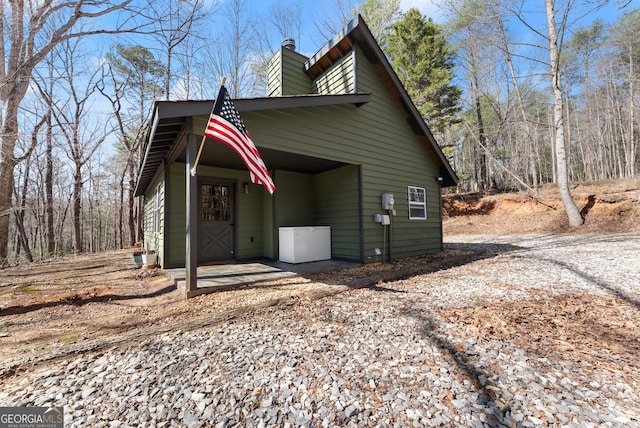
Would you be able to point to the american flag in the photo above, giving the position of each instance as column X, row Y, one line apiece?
column 226, row 126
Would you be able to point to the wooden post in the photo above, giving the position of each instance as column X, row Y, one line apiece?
column 191, row 256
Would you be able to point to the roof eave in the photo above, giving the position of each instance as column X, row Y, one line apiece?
column 167, row 110
column 137, row 191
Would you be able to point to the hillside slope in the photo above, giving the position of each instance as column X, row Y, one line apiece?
column 607, row 206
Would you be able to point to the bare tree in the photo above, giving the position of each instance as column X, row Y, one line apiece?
column 328, row 25
column 82, row 138
column 575, row 218
column 233, row 45
column 626, row 43
column 45, row 86
column 29, row 31
column 175, row 21
column 470, row 29
column 286, row 18
column 21, row 211
column 528, row 131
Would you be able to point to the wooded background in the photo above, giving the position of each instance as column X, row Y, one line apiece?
column 509, row 88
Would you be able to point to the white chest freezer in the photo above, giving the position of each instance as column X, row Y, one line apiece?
column 305, row 244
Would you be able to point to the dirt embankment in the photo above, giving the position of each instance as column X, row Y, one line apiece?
column 609, row 206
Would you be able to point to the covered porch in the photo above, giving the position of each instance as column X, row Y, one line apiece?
column 222, row 277
column 227, row 219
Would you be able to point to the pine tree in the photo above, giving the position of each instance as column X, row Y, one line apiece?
column 423, row 60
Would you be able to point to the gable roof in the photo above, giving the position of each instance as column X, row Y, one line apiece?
column 356, row 33
column 169, row 117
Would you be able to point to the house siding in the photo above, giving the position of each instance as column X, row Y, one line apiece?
column 337, row 205
column 339, row 79
column 392, row 157
column 175, row 234
column 294, row 199
column 286, row 74
column 152, row 240
column 274, row 75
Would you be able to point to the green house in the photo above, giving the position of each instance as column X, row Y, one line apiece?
column 345, row 147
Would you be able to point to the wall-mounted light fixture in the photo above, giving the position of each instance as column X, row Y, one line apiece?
column 439, row 179
column 245, row 186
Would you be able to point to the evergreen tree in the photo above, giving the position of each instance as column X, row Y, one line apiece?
column 423, row 60
column 135, row 75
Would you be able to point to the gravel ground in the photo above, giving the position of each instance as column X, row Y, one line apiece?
column 545, row 332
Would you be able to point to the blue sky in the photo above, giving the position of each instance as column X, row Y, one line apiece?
column 312, row 10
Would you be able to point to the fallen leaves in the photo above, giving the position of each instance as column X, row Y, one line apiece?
column 585, row 327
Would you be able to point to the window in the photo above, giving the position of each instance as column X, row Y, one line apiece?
column 417, row 203
column 157, row 206
column 215, row 202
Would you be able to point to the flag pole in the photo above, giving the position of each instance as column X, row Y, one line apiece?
column 204, row 137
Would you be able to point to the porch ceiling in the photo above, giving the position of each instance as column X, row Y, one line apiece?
column 219, row 155
column 170, row 118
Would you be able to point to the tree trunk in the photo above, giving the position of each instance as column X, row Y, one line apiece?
column 8, row 138
column 533, row 170
column 23, row 239
column 575, row 218
column 48, row 181
column 77, row 207
column 121, row 215
column 48, row 184
column 483, row 183
column 131, row 204
column 630, row 155
column 481, row 172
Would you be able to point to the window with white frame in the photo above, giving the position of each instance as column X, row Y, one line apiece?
column 156, row 210
column 417, row 203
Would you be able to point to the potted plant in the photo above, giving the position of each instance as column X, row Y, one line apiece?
column 149, row 257
column 137, row 258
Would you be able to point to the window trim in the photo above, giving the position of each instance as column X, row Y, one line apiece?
column 157, row 207
column 422, row 205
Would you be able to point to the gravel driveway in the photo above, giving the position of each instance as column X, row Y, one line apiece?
column 543, row 332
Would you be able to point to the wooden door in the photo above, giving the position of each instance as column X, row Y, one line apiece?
column 217, row 220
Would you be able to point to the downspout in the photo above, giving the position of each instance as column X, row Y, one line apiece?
column 360, row 213
column 165, row 216
column 440, row 211
column 275, row 231
column 390, row 212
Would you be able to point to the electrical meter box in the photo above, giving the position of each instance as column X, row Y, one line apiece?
column 387, row 201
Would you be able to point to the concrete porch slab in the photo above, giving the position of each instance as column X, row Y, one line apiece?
column 228, row 276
